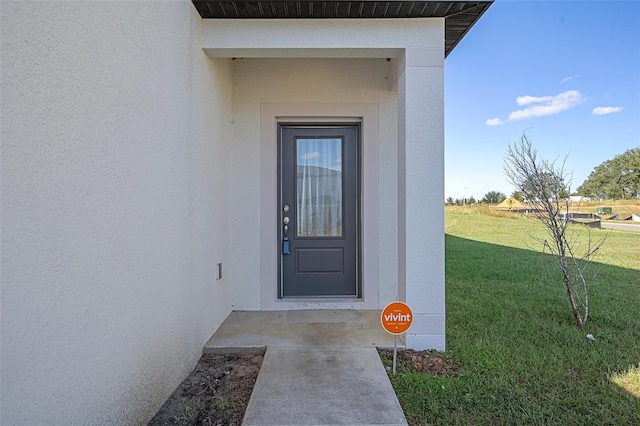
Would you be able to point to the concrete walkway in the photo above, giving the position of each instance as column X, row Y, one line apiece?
column 321, row 367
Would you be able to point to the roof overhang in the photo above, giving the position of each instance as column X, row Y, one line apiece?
column 459, row 16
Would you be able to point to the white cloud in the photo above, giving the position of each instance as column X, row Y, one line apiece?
column 526, row 100
column 606, row 110
column 494, row 122
column 311, row 155
column 569, row 78
column 546, row 105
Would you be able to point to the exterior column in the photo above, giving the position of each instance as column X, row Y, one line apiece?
column 421, row 194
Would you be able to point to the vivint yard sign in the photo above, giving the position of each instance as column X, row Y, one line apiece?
column 396, row 317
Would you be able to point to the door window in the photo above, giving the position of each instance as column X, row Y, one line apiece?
column 319, row 187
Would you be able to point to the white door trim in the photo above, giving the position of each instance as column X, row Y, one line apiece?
column 270, row 115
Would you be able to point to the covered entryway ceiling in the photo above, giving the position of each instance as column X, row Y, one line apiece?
column 458, row 16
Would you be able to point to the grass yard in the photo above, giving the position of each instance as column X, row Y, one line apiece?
column 523, row 359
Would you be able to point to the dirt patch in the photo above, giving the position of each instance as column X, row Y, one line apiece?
column 216, row 392
column 428, row 362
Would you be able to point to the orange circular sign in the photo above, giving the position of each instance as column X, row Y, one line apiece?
column 396, row 317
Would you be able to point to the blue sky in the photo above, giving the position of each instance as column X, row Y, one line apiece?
column 567, row 72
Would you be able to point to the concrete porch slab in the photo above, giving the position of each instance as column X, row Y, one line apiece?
column 323, row 386
column 247, row 331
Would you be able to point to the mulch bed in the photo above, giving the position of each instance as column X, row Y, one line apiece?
column 215, row 393
column 428, row 362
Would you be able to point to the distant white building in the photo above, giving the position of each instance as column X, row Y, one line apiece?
column 579, row 198
column 149, row 160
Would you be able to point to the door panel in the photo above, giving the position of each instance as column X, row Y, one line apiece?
column 320, row 260
column 319, row 203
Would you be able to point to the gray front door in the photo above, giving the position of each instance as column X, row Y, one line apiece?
column 319, row 202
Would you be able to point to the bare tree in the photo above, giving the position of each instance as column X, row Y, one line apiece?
column 545, row 186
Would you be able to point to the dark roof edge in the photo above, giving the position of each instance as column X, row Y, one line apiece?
column 483, row 8
column 459, row 15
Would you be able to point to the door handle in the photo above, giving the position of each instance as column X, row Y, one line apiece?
column 286, row 226
column 285, row 231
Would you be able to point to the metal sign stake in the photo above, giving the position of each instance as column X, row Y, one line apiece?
column 396, row 318
column 395, row 352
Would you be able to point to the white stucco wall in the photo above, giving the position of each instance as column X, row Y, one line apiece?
column 115, row 166
column 211, row 140
column 420, row 191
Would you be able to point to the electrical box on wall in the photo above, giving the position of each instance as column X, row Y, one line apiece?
column 219, row 271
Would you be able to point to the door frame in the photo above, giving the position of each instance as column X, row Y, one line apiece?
column 358, row 240
column 310, row 113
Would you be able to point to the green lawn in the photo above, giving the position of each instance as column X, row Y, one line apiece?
column 523, row 359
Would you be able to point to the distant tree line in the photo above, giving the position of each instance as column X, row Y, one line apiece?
column 491, row 197
column 461, row 201
column 618, row 178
